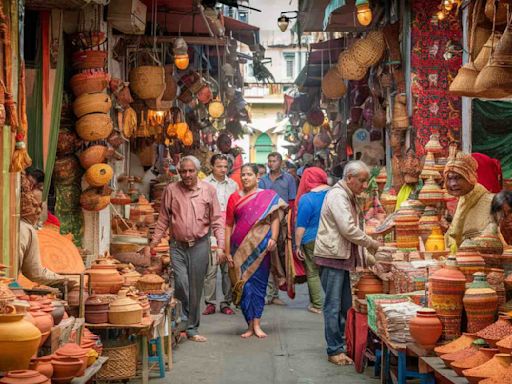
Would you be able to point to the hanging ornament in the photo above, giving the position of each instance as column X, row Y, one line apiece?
column 180, row 49
column 216, row 108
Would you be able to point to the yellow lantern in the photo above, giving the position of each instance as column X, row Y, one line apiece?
column 181, row 130
column 364, row 12
column 181, row 61
column 216, row 108
column 188, row 140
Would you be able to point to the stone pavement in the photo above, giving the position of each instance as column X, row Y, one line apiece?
column 293, row 352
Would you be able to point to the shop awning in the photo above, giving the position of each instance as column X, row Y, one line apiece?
column 312, row 15
column 243, row 32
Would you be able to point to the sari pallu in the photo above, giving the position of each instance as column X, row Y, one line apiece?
column 249, row 240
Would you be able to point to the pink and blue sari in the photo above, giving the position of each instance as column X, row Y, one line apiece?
column 251, row 233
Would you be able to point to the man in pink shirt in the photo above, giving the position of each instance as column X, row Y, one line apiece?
column 190, row 211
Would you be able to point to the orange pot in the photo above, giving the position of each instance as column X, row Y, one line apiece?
column 104, row 279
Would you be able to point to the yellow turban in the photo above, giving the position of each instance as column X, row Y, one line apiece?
column 465, row 165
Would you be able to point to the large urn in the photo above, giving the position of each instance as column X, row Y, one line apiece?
column 447, row 286
column 480, row 302
column 19, row 340
column 426, row 328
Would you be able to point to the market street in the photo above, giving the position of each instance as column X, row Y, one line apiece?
column 293, row 352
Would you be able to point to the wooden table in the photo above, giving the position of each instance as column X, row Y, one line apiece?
column 442, row 374
column 401, row 351
column 90, row 371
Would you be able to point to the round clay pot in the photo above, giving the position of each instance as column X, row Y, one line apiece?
column 58, row 311
column 73, row 350
column 64, row 367
column 105, row 278
column 368, row 284
column 426, row 328
column 19, row 340
column 74, row 295
column 24, row 377
column 480, row 302
column 44, row 366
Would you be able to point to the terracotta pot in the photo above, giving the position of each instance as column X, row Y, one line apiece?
column 447, row 286
column 74, row 295
column 24, row 377
column 469, row 263
column 75, row 351
column 44, row 366
column 105, row 278
column 19, row 340
column 44, row 320
column 481, row 303
column 426, row 328
column 96, row 310
column 125, row 311
column 482, row 356
column 66, row 367
column 368, row 284
column 462, row 342
column 496, row 366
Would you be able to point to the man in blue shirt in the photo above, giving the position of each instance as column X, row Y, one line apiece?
column 284, row 185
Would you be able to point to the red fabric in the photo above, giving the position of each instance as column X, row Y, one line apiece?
column 311, row 178
column 356, row 335
column 237, row 170
column 52, row 220
column 489, row 172
column 230, row 208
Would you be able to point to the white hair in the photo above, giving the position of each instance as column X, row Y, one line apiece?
column 193, row 159
column 354, row 168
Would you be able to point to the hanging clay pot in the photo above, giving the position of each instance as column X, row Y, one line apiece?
column 426, row 328
column 480, row 302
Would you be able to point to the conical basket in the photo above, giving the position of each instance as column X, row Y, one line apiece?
column 464, row 83
column 333, row 86
column 369, row 50
column 494, row 81
column 501, row 11
column 485, row 53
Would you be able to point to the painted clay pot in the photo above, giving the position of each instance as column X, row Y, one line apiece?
column 482, row 356
column 447, row 286
column 368, row 284
column 462, row 342
column 104, row 278
column 66, row 367
column 480, row 302
column 24, row 377
column 489, row 241
column 426, row 328
column 44, row 366
column 496, row 331
column 19, row 340
column 496, row 366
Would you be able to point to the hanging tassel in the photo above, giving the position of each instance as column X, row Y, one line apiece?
column 11, row 112
column 20, row 158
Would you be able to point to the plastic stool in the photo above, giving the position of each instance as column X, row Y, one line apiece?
column 159, row 356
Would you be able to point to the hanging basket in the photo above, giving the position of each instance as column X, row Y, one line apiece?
column 91, row 103
column 494, row 81
column 485, row 53
column 503, row 52
column 481, row 37
column 400, row 117
column 500, row 9
column 95, row 154
column 349, row 68
column 89, row 82
column 95, row 126
column 369, row 50
column 333, row 86
column 129, row 122
column 89, row 59
column 171, row 87
column 148, row 81
column 464, row 83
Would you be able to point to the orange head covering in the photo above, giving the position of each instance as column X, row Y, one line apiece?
column 463, row 164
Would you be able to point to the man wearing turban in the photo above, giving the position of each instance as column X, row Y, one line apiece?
column 473, row 212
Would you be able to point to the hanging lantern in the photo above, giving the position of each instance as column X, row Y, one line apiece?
column 364, row 12
column 188, row 138
column 216, row 108
column 181, row 61
column 180, row 49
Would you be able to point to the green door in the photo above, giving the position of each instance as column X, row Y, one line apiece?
column 263, row 148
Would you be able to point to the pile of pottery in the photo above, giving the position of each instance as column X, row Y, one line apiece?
column 431, row 193
column 407, row 226
column 469, row 260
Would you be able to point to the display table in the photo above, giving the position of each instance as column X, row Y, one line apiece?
column 401, row 351
column 90, row 371
column 442, row 374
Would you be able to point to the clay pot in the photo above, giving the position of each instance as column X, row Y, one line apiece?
column 124, row 311
column 74, row 296
column 462, row 342
column 44, row 366
column 96, row 310
column 481, row 303
column 58, row 311
column 496, row 366
column 66, row 367
column 489, row 242
column 426, row 328
column 74, row 351
column 469, row 263
column 19, row 340
column 24, row 377
column 104, row 278
column 482, row 356
column 447, row 286
column 368, row 284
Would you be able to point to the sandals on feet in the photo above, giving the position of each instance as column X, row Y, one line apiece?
column 340, row 359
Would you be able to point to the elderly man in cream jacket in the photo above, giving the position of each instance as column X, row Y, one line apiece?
column 337, row 253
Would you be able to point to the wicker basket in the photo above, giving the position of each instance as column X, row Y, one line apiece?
column 121, row 363
column 501, row 11
column 400, row 117
column 503, row 52
column 89, row 59
column 349, row 68
column 485, row 53
column 333, row 86
column 91, row 103
column 369, row 50
column 494, row 81
column 89, row 82
column 148, row 81
column 481, row 36
column 95, row 126
column 464, row 83
column 93, row 155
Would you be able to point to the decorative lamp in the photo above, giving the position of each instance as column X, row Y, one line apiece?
column 364, row 12
column 216, row 109
column 282, row 23
column 180, row 49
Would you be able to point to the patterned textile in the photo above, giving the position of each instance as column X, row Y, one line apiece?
column 436, row 57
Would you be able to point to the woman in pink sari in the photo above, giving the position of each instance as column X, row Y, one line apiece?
column 252, row 227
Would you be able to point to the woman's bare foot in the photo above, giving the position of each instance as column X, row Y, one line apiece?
column 259, row 333
column 247, row 334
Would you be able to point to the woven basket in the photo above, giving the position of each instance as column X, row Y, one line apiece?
column 148, row 81
column 481, row 36
column 333, row 86
column 349, row 68
column 171, row 87
column 494, row 81
column 464, row 83
column 369, row 50
column 503, row 52
column 89, row 82
column 91, row 103
column 93, row 199
column 485, row 53
column 89, row 59
column 501, row 11
column 95, row 126
column 121, row 363
column 400, row 117
column 93, row 155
